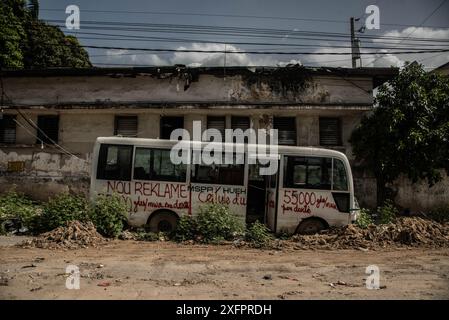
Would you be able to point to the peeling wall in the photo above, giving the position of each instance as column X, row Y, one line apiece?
column 420, row 196
column 208, row 88
column 45, row 173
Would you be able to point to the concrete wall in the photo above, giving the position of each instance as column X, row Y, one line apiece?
column 208, row 88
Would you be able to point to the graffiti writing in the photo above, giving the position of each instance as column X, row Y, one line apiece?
column 304, row 201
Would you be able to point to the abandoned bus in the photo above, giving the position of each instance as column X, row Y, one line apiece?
column 311, row 190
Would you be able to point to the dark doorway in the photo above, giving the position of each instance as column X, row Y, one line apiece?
column 256, row 198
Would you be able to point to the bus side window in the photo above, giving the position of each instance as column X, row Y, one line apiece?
column 224, row 174
column 308, row 172
column 340, row 178
column 155, row 165
column 114, row 162
column 142, row 164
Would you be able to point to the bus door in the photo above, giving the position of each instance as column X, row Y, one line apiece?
column 257, row 192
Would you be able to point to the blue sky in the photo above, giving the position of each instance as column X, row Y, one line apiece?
column 405, row 13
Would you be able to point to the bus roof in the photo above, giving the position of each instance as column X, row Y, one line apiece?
column 163, row 143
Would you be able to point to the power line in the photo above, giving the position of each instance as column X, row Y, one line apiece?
column 228, row 16
column 270, row 44
column 184, row 40
column 220, row 30
column 428, row 16
column 256, row 52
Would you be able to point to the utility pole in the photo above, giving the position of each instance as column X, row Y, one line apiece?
column 353, row 58
column 355, row 45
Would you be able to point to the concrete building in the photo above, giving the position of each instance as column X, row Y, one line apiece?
column 443, row 69
column 309, row 107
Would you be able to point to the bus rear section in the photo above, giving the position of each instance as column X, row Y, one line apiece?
column 313, row 191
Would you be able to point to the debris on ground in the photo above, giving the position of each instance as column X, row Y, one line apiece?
column 410, row 231
column 73, row 235
column 35, row 289
column 104, row 284
column 4, row 281
column 127, row 235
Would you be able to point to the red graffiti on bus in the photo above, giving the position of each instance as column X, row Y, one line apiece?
column 304, row 201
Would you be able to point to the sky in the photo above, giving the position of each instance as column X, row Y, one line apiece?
column 107, row 23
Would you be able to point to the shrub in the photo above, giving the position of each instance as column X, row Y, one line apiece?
column 439, row 214
column 186, row 229
column 387, row 213
column 19, row 209
column 109, row 214
column 364, row 219
column 63, row 208
column 216, row 223
column 258, row 234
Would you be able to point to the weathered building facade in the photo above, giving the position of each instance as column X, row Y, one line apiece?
column 308, row 106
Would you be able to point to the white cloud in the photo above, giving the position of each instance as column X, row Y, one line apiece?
column 197, row 59
column 382, row 60
column 129, row 57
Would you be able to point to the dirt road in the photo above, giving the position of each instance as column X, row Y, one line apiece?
column 165, row 270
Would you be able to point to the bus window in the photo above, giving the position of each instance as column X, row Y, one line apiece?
column 340, row 179
column 155, row 164
column 114, row 162
column 227, row 174
column 308, row 172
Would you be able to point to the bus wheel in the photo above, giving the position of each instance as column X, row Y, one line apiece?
column 310, row 226
column 162, row 221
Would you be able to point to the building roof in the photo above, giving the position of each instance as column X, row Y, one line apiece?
column 379, row 75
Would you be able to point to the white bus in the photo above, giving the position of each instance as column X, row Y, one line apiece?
column 312, row 189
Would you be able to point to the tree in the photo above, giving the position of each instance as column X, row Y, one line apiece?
column 12, row 34
column 408, row 131
column 27, row 42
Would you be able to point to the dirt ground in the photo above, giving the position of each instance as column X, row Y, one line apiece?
column 166, row 270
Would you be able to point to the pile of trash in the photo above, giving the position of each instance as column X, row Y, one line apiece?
column 73, row 235
column 409, row 231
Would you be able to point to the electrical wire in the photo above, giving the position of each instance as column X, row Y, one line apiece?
column 121, row 12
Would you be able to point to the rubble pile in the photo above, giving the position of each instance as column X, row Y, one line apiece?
column 73, row 235
column 404, row 231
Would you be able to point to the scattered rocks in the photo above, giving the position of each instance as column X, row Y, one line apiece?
column 73, row 235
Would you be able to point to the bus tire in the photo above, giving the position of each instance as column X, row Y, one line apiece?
column 311, row 226
column 162, row 221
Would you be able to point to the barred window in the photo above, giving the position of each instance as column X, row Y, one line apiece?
column 126, row 126
column 242, row 123
column 218, row 123
column 286, row 127
column 330, row 132
column 7, row 129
